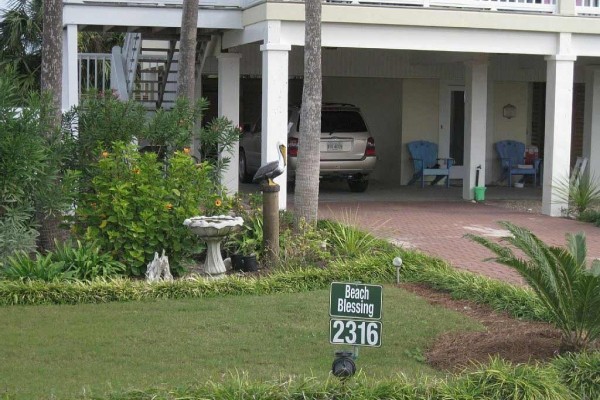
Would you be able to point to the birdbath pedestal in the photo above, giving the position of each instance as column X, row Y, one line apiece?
column 212, row 230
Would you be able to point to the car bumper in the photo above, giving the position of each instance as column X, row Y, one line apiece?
column 342, row 169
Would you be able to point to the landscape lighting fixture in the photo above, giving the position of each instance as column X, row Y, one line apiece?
column 343, row 366
column 397, row 261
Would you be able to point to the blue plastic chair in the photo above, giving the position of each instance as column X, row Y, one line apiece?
column 512, row 159
column 426, row 162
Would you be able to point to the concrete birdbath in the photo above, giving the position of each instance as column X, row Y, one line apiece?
column 212, row 230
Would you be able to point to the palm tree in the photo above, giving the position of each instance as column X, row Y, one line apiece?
column 21, row 41
column 561, row 279
column 307, row 174
column 187, row 50
column 51, row 86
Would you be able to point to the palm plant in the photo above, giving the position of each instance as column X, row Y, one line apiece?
column 561, row 279
column 580, row 194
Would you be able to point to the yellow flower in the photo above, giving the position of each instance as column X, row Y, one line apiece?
column 218, row 202
column 168, row 206
column 186, row 150
column 136, row 171
column 105, row 154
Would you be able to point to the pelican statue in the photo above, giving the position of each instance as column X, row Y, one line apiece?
column 273, row 169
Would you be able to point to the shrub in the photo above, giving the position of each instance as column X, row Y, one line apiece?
column 581, row 373
column 21, row 267
column 100, row 120
column 560, row 278
column 580, row 194
column 500, row 380
column 137, row 206
column 173, row 129
column 85, row 261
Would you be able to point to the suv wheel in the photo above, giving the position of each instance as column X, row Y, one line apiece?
column 358, row 186
column 243, row 172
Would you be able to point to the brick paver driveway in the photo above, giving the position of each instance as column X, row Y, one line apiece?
column 437, row 228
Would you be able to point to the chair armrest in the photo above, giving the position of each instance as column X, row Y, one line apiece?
column 448, row 161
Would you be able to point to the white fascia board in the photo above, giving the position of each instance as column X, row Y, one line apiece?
column 250, row 34
column 425, row 38
column 159, row 17
column 586, row 45
column 419, row 16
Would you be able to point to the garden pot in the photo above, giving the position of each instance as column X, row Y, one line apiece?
column 250, row 263
column 237, row 262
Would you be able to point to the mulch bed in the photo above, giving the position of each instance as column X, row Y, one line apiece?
column 512, row 339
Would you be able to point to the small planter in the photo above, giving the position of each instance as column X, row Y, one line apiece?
column 237, row 262
column 250, row 263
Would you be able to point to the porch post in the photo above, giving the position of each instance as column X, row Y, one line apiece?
column 476, row 79
column 591, row 125
column 70, row 81
column 274, row 106
column 229, row 107
column 557, row 143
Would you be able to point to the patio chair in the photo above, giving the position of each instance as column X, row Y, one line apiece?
column 512, row 159
column 424, row 156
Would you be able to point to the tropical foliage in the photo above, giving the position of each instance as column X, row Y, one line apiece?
column 561, row 278
column 137, row 204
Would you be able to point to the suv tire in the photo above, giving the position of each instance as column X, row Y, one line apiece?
column 243, row 171
column 358, row 186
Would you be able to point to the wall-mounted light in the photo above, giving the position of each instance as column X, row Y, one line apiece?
column 509, row 111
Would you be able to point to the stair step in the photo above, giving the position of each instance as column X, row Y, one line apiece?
column 153, row 91
column 156, row 60
column 166, row 49
column 152, row 81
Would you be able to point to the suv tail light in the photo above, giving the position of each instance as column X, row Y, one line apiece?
column 292, row 150
column 370, row 150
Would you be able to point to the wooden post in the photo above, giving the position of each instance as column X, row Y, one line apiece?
column 271, row 223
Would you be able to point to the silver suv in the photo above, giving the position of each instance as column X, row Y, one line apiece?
column 347, row 147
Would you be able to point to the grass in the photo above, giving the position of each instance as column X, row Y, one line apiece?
column 66, row 351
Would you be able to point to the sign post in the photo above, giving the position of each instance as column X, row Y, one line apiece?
column 355, row 311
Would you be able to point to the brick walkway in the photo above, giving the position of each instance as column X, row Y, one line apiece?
column 437, row 228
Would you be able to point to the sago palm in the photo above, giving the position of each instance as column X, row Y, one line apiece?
column 561, row 278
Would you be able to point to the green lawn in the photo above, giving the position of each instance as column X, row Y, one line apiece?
column 71, row 350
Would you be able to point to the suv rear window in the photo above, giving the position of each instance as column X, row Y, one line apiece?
column 341, row 121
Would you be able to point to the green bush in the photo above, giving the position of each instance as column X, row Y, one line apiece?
column 580, row 194
column 21, row 266
column 85, row 261
column 560, row 278
column 496, row 380
column 100, row 120
column 33, row 166
column 173, row 129
column 581, row 373
column 137, row 206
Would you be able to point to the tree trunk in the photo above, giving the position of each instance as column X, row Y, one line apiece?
column 186, row 82
column 307, row 173
column 51, row 83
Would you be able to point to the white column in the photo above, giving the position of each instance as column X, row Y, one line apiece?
column 591, row 125
column 229, row 107
column 476, row 79
column 70, row 76
column 274, row 107
column 557, row 142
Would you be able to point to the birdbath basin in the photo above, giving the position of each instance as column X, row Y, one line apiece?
column 212, row 230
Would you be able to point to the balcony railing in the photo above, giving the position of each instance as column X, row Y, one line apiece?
column 582, row 7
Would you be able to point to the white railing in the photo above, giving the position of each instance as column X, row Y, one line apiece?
column 583, row 7
column 544, row 6
column 94, row 72
column 158, row 3
column 587, row 7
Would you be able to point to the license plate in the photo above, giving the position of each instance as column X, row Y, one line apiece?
column 334, row 146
